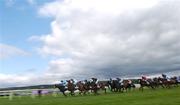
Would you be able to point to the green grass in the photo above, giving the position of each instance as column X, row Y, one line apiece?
column 147, row 97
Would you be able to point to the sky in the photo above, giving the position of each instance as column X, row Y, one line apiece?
column 44, row 41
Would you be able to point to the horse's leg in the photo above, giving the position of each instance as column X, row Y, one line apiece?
column 105, row 90
column 95, row 92
column 80, row 92
column 167, row 84
column 119, row 89
column 126, row 89
column 84, row 92
column 122, row 88
column 72, row 93
column 176, row 84
column 64, row 93
column 129, row 88
column 141, row 88
column 152, row 86
column 162, row 86
column 134, row 87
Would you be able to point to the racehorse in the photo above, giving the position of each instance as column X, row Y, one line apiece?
column 61, row 88
column 83, row 87
column 80, row 86
column 70, row 87
column 102, row 86
column 94, row 86
column 115, row 86
column 157, row 83
column 147, row 83
column 168, row 83
column 175, row 80
column 127, row 85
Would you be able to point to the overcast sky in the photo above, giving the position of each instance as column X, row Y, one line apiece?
column 44, row 41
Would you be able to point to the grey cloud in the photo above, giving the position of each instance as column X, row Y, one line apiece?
column 133, row 42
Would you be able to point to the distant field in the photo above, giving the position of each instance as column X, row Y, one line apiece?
column 147, row 97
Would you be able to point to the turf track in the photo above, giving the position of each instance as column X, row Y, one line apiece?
column 136, row 97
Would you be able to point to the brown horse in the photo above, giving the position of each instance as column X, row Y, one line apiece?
column 71, row 87
column 80, row 86
column 127, row 85
column 175, row 80
column 167, row 83
column 93, row 86
column 83, row 87
column 145, row 84
column 102, row 86
column 157, row 82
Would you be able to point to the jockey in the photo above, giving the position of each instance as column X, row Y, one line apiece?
column 144, row 78
column 85, row 81
column 63, row 83
column 91, row 80
column 72, row 81
column 165, row 77
column 120, row 81
column 129, row 81
column 110, row 80
column 94, row 80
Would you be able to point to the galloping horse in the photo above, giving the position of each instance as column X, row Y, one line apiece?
column 61, row 88
column 80, row 86
column 127, row 85
column 157, row 82
column 94, row 86
column 145, row 83
column 83, row 87
column 175, row 80
column 70, row 87
column 102, row 86
column 168, row 83
column 115, row 86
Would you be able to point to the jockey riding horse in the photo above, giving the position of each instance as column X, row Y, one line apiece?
column 127, row 85
column 94, row 85
column 115, row 85
column 146, row 82
column 64, row 87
